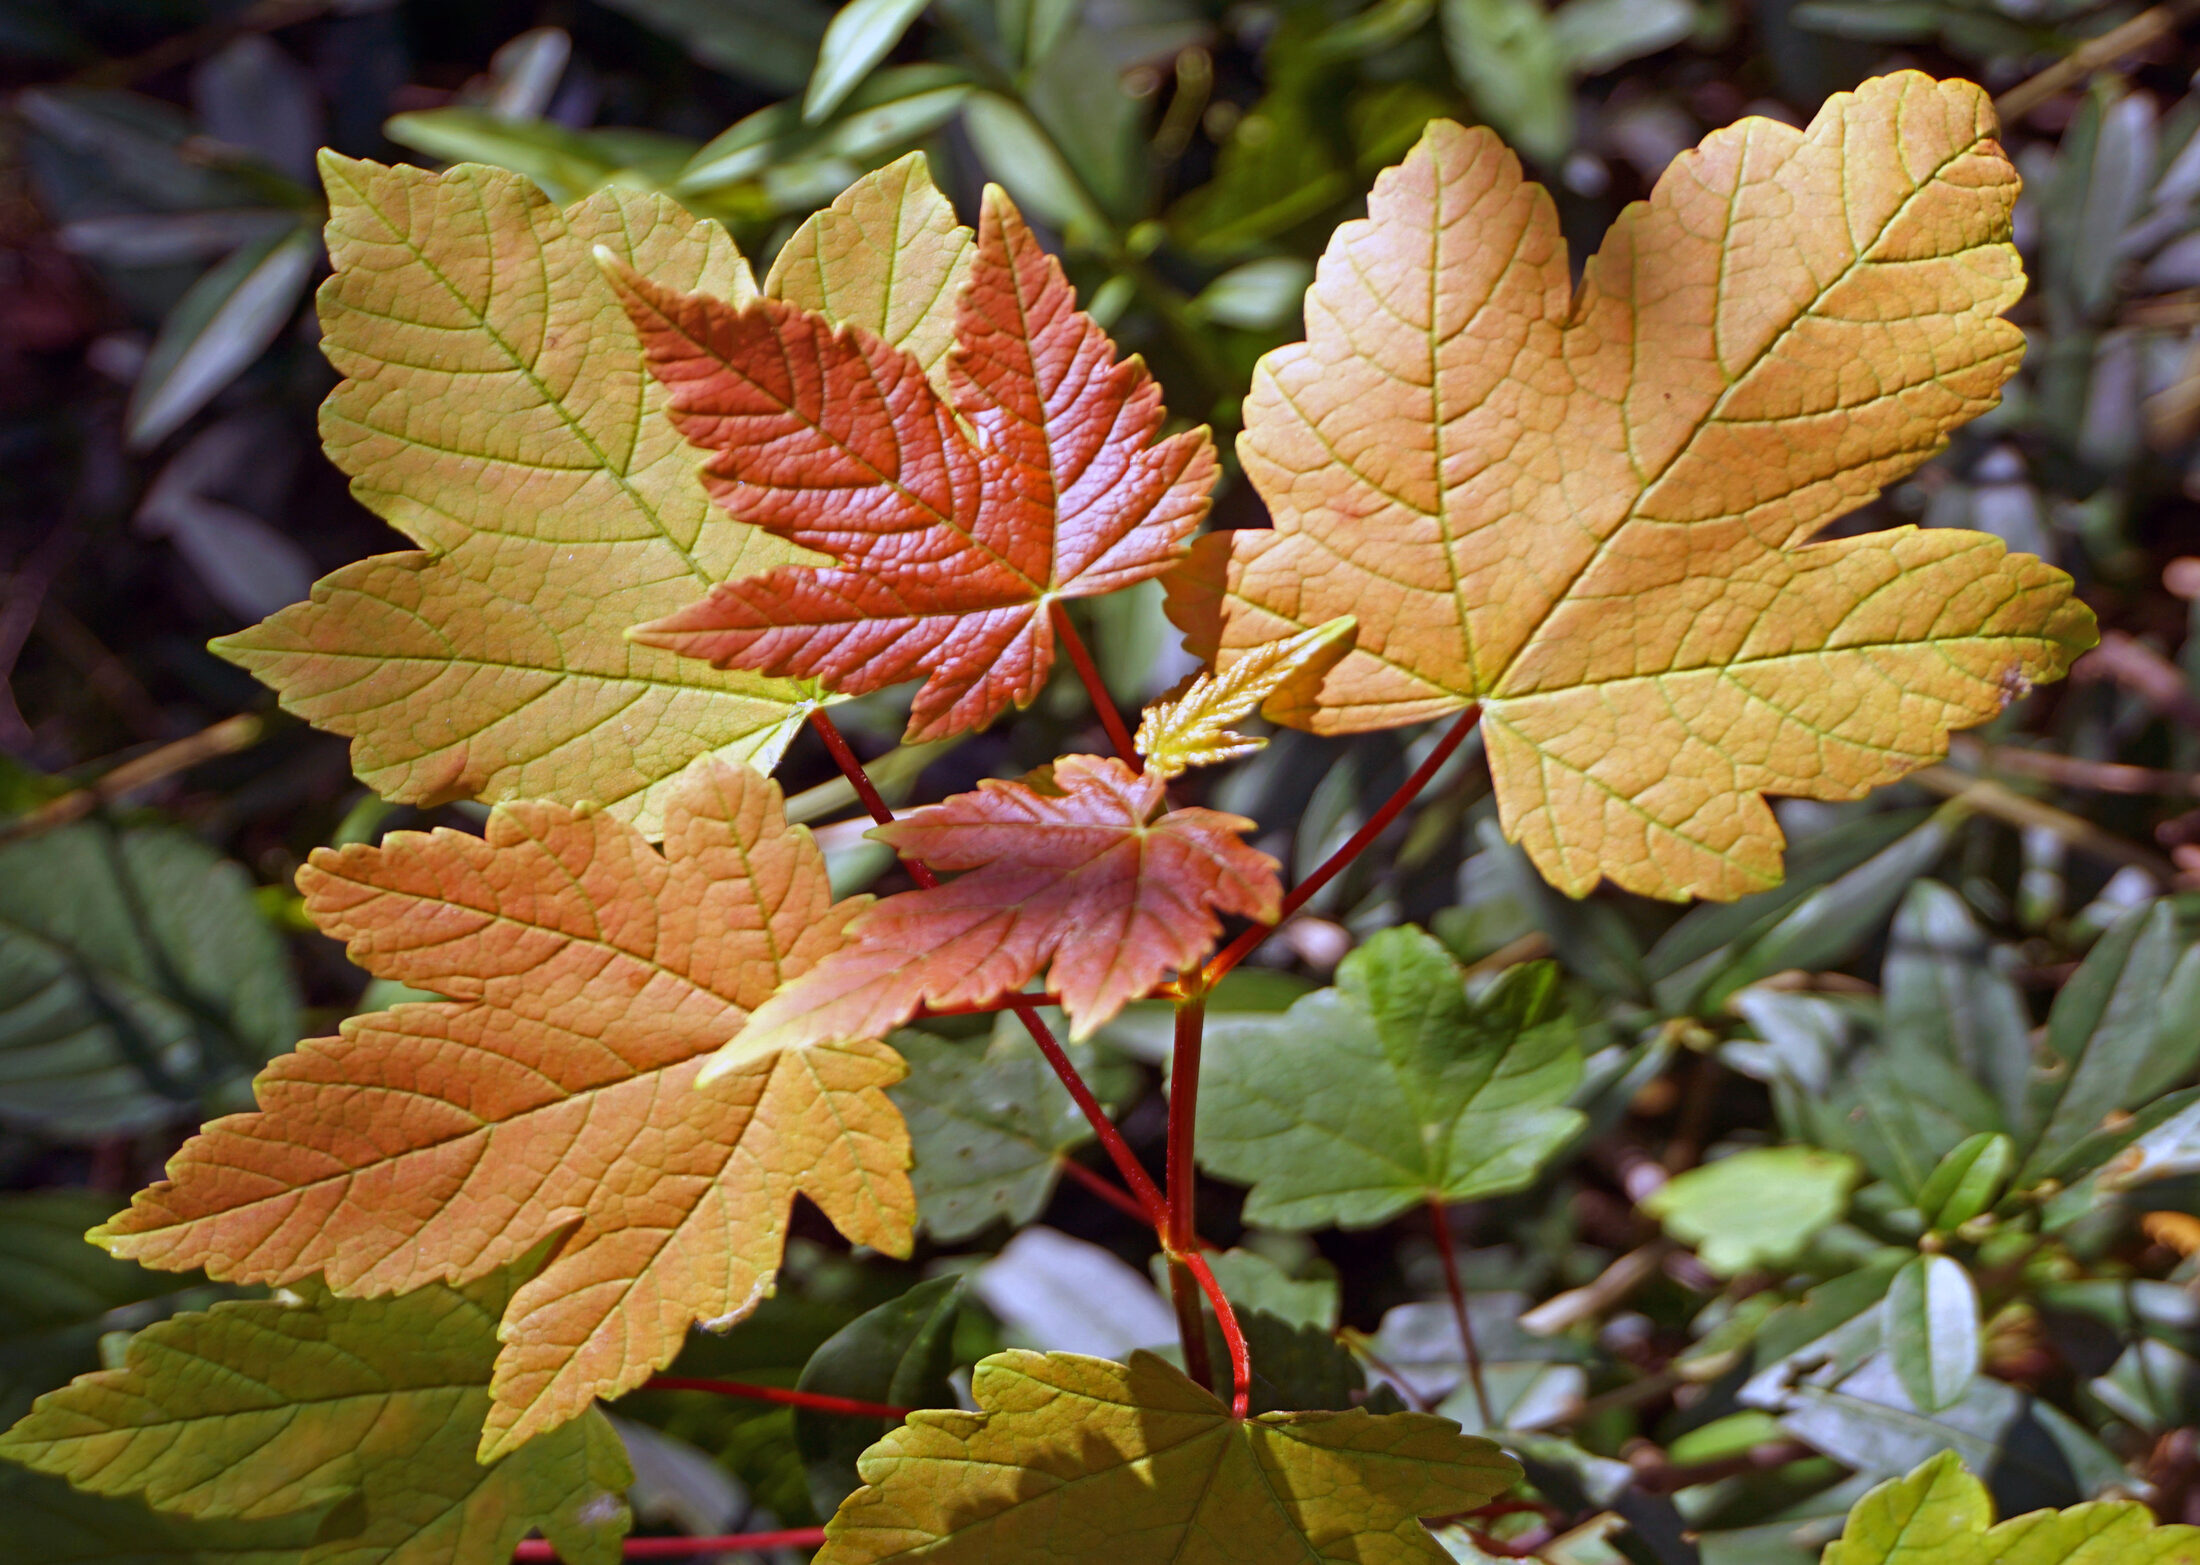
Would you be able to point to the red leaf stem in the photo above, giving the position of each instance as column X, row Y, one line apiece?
column 1151, row 1204
column 1440, row 1224
column 1115, row 1195
column 987, row 1009
column 535, row 1551
column 1242, row 947
column 817, row 1401
column 1065, row 631
column 1241, row 1357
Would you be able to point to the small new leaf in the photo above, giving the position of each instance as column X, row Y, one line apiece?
column 275, row 1407
column 1075, row 1459
column 1192, row 728
column 1087, row 880
column 1588, row 511
column 955, row 520
column 555, row 1092
column 1941, row 1515
column 1392, row 1089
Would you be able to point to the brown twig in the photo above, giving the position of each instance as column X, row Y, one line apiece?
column 2144, row 672
column 1610, row 1287
column 2069, row 772
column 2014, row 809
column 226, row 737
column 2093, row 55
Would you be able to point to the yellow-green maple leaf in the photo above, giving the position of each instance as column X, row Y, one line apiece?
column 1941, row 1515
column 495, row 410
column 1077, row 1459
column 280, row 1407
column 1586, row 512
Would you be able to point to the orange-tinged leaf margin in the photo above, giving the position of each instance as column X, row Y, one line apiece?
column 1586, row 512
column 554, row 1093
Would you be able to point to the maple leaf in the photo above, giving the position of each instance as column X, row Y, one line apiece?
column 1086, row 876
column 270, row 1408
column 1073, row 1458
column 491, row 411
column 956, row 520
column 1391, row 1090
column 1586, row 513
column 590, row 978
column 1941, row 1515
column 1191, row 728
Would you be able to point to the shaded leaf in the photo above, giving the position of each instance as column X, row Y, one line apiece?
column 270, row 1408
column 863, row 32
column 770, row 42
column 1940, row 1515
column 490, row 412
column 1192, row 728
column 898, row 1354
column 1968, row 1181
column 1079, row 1459
column 1944, row 992
column 1756, row 1208
column 1513, row 62
column 1092, row 881
column 57, row 1525
column 1933, row 1332
column 1390, row 1090
column 590, row 979
column 136, row 978
column 1606, row 548
column 217, row 330
column 954, row 523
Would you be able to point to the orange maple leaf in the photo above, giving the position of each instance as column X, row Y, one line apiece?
column 1085, row 873
column 1586, row 511
column 956, row 524
column 590, row 977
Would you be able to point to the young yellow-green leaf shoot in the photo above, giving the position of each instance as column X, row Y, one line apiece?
column 1192, row 728
column 1588, row 512
column 1941, row 1515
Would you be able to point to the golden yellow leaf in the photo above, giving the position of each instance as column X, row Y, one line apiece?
column 555, row 1092
column 1587, row 513
column 1192, row 728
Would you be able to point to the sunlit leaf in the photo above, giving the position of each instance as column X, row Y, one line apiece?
column 955, row 524
column 1588, row 513
column 590, row 978
column 1192, row 728
column 1078, row 1459
column 1940, row 1515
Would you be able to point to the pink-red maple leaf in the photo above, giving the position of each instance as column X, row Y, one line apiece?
column 955, row 523
column 1087, row 874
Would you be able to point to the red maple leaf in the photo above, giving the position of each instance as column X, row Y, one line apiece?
column 1088, row 876
column 956, row 524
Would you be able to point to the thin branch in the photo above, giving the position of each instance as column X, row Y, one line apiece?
column 1440, row 1224
column 1183, row 1173
column 1592, row 1299
column 1065, row 631
column 1115, row 1195
column 2005, row 804
column 1242, row 947
column 2069, row 772
column 2093, row 55
column 537, row 1551
column 226, row 737
column 815, row 1401
column 1241, row 1358
column 1126, row 1161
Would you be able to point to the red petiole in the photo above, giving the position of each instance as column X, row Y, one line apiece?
column 816, row 1401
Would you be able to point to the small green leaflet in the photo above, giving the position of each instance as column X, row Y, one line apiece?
column 271, row 1408
column 1755, row 1208
column 1075, row 1459
column 1391, row 1089
column 1940, row 1515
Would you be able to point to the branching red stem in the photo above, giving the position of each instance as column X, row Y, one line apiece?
column 816, row 1401
column 1440, row 1224
column 1115, row 1195
column 1241, row 1358
column 1148, row 1194
column 537, row 1551
column 1065, row 630
column 1242, row 947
